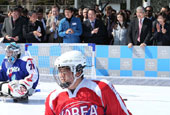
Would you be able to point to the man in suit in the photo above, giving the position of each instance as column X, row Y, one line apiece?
column 109, row 21
column 140, row 29
column 33, row 31
column 42, row 20
column 12, row 27
column 94, row 30
column 52, row 25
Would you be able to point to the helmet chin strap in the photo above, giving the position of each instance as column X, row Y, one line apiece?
column 69, row 84
column 75, row 79
column 65, row 85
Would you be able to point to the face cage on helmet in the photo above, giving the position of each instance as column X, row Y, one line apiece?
column 67, row 84
column 14, row 55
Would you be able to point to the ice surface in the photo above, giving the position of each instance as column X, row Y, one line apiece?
column 142, row 100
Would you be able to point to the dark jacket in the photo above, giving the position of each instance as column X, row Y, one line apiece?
column 28, row 32
column 133, row 30
column 13, row 29
column 99, row 38
column 162, row 39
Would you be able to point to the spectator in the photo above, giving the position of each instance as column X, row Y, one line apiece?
column 109, row 20
column 99, row 13
column 10, row 12
column 149, row 13
column 162, row 34
column 12, row 28
column 80, row 14
column 120, row 30
column 20, row 8
column 97, row 9
column 52, row 25
column 42, row 20
column 140, row 29
column 75, row 12
column 94, row 30
column 24, row 14
column 128, row 13
column 33, row 31
column 81, row 96
column 166, row 10
column 70, row 27
column 48, row 14
column 85, row 12
column 41, row 17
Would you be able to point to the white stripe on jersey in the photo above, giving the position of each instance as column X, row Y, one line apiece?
column 117, row 95
column 55, row 95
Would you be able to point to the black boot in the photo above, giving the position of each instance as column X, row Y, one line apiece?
column 21, row 99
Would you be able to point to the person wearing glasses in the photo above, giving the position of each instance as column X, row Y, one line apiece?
column 149, row 13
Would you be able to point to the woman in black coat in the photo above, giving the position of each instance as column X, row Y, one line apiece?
column 161, row 35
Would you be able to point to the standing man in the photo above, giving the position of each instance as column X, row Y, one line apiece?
column 109, row 21
column 52, row 25
column 70, row 27
column 149, row 13
column 41, row 18
column 81, row 96
column 19, row 75
column 33, row 31
column 94, row 30
column 85, row 14
column 12, row 27
column 140, row 29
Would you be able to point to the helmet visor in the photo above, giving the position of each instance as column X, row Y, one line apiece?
column 63, row 76
column 10, row 55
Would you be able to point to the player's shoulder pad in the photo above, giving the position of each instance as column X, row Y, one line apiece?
column 103, row 81
column 56, row 92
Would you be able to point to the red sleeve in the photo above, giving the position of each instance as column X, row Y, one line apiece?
column 112, row 101
column 48, row 109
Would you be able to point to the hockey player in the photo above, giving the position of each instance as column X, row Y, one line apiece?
column 18, row 75
column 81, row 96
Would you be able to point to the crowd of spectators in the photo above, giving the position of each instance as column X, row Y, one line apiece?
column 86, row 25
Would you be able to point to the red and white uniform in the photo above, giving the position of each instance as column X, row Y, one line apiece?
column 91, row 97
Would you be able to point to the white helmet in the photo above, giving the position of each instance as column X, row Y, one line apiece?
column 75, row 60
column 16, row 51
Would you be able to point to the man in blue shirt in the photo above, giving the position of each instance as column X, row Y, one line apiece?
column 70, row 27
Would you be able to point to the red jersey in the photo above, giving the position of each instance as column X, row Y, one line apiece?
column 91, row 97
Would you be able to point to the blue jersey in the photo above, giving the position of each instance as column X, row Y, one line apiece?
column 19, row 70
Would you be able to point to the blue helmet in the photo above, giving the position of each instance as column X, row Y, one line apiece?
column 12, row 52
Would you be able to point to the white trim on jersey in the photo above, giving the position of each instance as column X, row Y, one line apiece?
column 54, row 95
column 117, row 95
